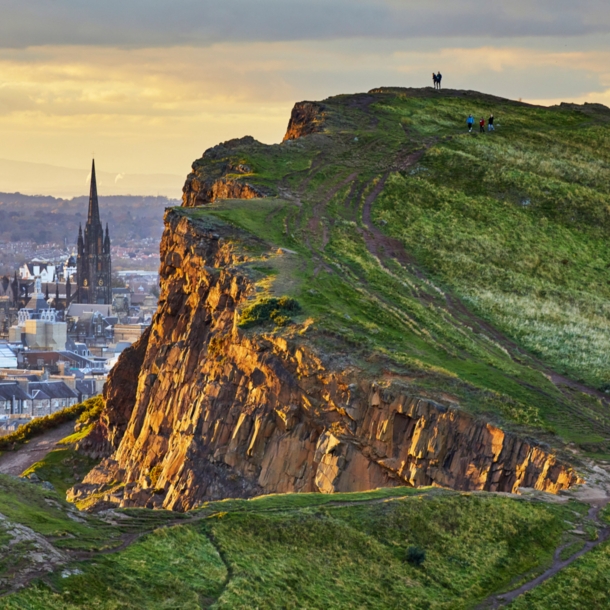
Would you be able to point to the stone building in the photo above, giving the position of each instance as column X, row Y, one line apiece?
column 38, row 326
column 59, row 396
column 14, row 400
column 46, row 271
column 93, row 273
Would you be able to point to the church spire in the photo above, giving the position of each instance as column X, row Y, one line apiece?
column 94, row 211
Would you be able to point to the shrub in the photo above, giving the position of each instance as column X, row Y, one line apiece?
column 154, row 474
column 269, row 308
column 415, row 555
column 93, row 409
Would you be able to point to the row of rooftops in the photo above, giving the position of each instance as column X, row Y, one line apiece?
column 46, row 390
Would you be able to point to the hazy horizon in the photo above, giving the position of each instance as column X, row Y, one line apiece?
column 147, row 88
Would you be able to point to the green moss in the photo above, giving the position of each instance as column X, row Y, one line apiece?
column 354, row 556
column 307, row 550
column 584, row 584
column 48, row 514
column 571, row 549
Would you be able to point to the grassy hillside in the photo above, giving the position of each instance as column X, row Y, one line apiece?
column 294, row 551
column 474, row 266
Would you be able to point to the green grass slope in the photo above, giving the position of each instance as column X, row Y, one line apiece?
column 473, row 266
column 286, row 551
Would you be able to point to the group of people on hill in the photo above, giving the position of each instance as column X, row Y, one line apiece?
column 436, row 79
column 490, row 123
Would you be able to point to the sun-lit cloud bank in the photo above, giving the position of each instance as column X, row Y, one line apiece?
column 148, row 95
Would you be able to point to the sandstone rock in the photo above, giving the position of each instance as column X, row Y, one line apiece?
column 200, row 410
column 306, row 118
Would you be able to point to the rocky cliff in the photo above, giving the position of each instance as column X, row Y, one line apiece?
column 203, row 409
column 220, row 175
column 306, row 118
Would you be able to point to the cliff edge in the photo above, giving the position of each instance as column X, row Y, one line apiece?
column 323, row 327
column 219, row 412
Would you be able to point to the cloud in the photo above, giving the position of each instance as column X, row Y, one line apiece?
column 157, row 109
column 142, row 23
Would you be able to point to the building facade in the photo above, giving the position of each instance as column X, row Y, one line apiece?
column 93, row 267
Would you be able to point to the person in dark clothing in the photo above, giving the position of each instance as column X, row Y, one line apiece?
column 470, row 123
column 439, row 78
column 490, row 123
column 482, row 125
column 434, row 80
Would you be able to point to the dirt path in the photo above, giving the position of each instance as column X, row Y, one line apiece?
column 15, row 462
column 380, row 244
column 596, row 493
column 503, row 599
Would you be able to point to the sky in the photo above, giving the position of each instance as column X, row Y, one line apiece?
column 147, row 85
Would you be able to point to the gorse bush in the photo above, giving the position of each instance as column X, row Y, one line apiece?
column 415, row 555
column 93, row 409
column 267, row 309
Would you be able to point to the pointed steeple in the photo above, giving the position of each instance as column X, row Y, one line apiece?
column 107, row 240
column 94, row 212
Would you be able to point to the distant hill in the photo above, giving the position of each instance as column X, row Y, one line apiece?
column 44, row 219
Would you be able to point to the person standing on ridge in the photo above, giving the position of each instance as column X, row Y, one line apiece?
column 490, row 123
column 439, row 78
column 470, row 123
column 482, row 125
column 434, row 80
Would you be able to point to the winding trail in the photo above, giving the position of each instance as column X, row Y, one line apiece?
column 381, row 245
column 16, row 462
column 503, row 599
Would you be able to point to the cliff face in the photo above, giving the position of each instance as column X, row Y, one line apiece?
column 200, row 409
column 306, row 118
column 213, row 177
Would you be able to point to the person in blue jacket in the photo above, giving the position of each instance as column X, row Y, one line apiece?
column 470, row 123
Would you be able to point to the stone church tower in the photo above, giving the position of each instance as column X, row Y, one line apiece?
column 93, row 256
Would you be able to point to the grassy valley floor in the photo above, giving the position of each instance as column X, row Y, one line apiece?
column 293, row 551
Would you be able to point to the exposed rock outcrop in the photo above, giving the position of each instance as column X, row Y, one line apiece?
column 217, row 180
column 221, row 412
column 198, row 192
column 306, row 118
